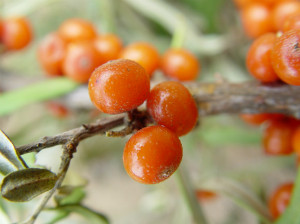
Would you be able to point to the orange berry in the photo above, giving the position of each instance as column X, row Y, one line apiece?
column 58, row 110
column 152, row 154
column 180, row 64
column 1, row 29
column 296, row 141
column 277, row 137
column 16, row 33
column 80, row 61
column 258, row 119
column 282, row 11
column 259, row 58
column 292, row 22
column 143, row 53
column 256, row 20
column 76, row 29
column 119, row 86
column 170, row 104
column 285, row 57
column 51, row 53
column 108, row 46
column 280, row 199
column 204, row 195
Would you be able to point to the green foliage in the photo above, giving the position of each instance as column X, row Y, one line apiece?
column 69, row 195
column 23, row 185
column 10, row 159
column 48, row 89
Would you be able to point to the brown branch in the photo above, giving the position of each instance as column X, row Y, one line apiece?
column 75, row 135
column 247, row 97
column 211, row 98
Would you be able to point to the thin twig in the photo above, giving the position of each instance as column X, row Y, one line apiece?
column 76, row 134
column 69, row 149
column 189, row 196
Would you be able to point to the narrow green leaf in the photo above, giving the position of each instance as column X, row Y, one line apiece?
column 10, row 159
column 23, row 185
column 60, row 214
column 48, row 89
column 92, row 216
column 292, row 214
column 69, row 195
column 241, row 196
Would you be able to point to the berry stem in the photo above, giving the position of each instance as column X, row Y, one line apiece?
column 179, row 33
column 188, row 193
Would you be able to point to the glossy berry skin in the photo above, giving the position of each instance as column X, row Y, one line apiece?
column 296, row 141
column 180, row 64
column 108, row 46
column 282, row 11
column 277, row 137
column 280, row 199
column 16, row 33
column 51, row 53
column 170, row 104
column 143, row 53
column 76, row 29
column 256, row 20
column 258, row 59
column 152, row 154
column 285, row 57
column 258, row 119
column 80, row 61
column 292, row 22
column 119, row 86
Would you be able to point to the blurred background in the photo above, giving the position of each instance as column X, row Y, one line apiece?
column 221, row 146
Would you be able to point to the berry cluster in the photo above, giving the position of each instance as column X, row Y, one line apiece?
column 153, row 153
column 281, row 137
column 76, row 49
column 15, row 33
column 263, row 16
column 274, row 56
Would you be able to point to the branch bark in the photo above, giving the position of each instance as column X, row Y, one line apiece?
column 211, row 98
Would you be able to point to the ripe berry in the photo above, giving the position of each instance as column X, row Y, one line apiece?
column 143, row 53
column 170, row 104
column 152, row 154
column 108, row 46
column 258, row 119
column 77, row 29
column 285, row 57
column 296, row 141
column 119, row 86
column 180, row 64
column 280, row 199
column 57, row 109
column 292, row 22
column 204, row 195
column 259, row 58
column 282, row 11
column 16, row 33
column 80, row 61
column 256, row 20
column 277, row 137
column 51, row 53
